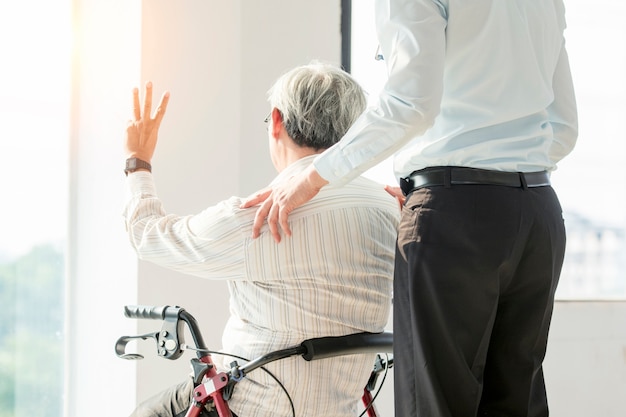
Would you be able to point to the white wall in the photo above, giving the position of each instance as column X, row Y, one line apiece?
column 218, row 58
column 585, row 366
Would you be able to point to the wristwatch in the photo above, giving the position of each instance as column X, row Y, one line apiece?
column 133, row 164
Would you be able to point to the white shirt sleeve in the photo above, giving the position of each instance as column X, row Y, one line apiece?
column 207, row 244
column 563, row 113
column 412, row 40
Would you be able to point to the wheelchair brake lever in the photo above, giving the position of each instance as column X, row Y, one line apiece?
column 120, row 345
column 170, row 340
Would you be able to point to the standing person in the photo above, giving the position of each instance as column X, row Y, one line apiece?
column 479, row 103
column 333, row 279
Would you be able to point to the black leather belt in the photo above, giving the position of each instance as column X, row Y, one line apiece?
column 447, row 176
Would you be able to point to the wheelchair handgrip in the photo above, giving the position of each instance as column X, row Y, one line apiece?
column 326, row 347
column 145, row 312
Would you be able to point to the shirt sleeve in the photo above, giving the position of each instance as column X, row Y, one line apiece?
column 412, row 38
column 207, row 244
column 562, row 113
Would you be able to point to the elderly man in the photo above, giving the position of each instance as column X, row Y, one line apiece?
column 332, row 278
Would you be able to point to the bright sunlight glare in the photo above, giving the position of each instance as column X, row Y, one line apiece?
column 34, row 122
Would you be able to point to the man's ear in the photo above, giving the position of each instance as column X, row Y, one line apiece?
column 277, row 126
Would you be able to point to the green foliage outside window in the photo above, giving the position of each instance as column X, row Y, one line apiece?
column 31, row 334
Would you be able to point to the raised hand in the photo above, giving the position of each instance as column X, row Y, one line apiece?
column 142, row 130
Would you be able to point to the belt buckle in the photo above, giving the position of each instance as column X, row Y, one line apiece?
column 406, row 185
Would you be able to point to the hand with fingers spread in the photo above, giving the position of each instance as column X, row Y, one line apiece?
column 142, row 130
column 278, row 202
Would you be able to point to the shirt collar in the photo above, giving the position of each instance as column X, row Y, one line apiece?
column 294, row 168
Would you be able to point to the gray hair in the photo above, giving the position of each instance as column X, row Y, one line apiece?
column 318, row 103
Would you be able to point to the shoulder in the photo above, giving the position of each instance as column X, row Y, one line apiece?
column 359, row 193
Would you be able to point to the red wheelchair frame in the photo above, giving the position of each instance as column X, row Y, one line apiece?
column 215, row 388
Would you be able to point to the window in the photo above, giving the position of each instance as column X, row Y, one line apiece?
column 34, row 127
column 591, row 182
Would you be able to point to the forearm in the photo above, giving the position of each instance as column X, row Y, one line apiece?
column 150, row 229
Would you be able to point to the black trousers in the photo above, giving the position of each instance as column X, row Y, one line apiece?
column 476, row 271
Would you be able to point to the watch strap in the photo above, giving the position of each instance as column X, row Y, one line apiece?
column 133, row 164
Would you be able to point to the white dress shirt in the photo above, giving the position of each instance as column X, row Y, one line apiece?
column 478, row 83
column 333, row 277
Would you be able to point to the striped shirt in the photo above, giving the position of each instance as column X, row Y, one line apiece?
column 333, row 277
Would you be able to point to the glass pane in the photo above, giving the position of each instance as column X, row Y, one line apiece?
column 34, row 132
column 591, row 182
